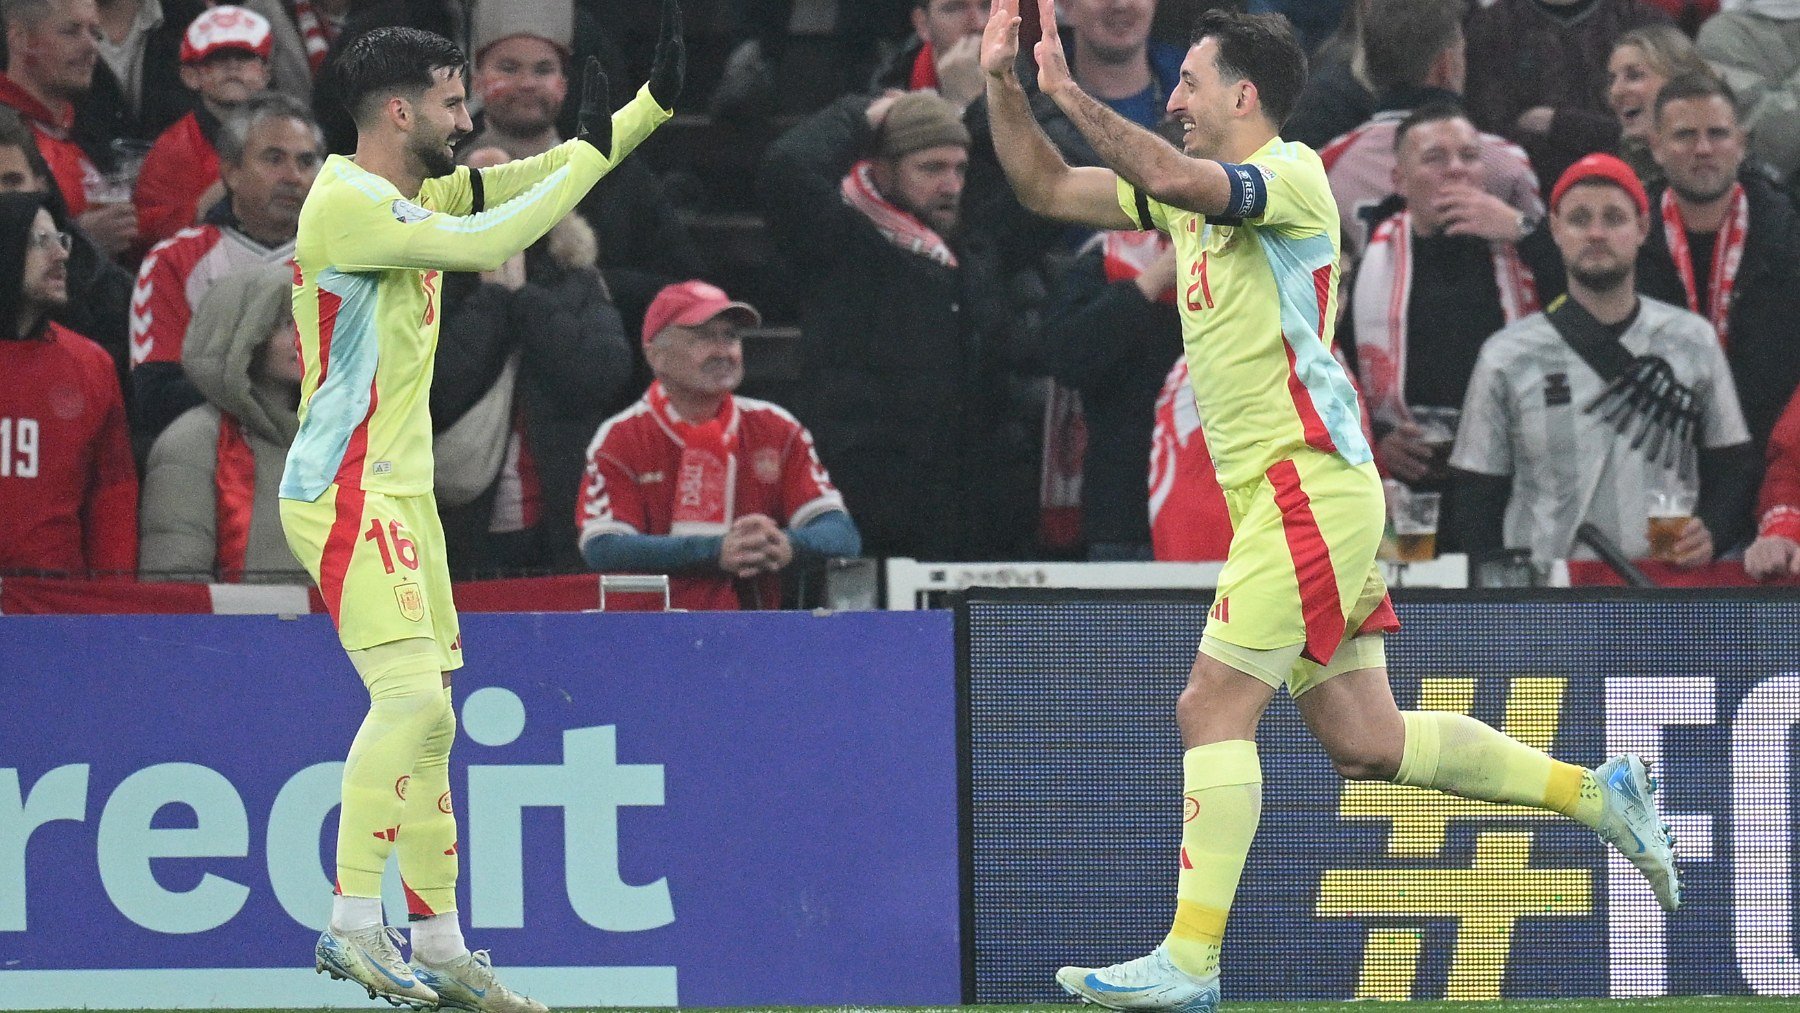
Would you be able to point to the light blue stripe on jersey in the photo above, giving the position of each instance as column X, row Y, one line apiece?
column 512, row 208
column 1295, row 262
column 341, row 403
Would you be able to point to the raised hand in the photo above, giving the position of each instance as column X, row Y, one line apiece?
column 1000, row 39
column 670, row 68
column 1053, row 66
column 593, row 123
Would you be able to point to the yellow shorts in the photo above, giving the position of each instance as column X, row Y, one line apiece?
column 1301, row 568
column 380, row 565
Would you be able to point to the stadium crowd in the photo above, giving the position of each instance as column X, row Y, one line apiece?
column 810, row 318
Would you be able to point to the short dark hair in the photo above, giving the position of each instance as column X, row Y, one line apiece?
column 389, row 60
column 1402, row 38
column 1693, row 85
column 1430, row 112
column 234, row 132
column 1261, row 49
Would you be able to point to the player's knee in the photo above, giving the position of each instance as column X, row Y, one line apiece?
column 1364, row 760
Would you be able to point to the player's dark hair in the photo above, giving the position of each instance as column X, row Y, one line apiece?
column 1261, row 49
column 1403, row 38
column 1691, row 86
column 392, row 60
column 1430, row 112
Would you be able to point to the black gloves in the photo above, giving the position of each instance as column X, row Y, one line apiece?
column 670, row 68
column 594, row 123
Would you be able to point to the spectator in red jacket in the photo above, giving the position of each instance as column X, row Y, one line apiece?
column 720, row 492
column 225, row 60
column 1776, row 551
column 66, row 474
column 51, row 52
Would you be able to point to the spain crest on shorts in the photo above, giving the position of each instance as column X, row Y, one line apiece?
column 412, row 601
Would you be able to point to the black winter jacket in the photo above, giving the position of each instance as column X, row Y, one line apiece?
column 910, row 384
column 574, row 367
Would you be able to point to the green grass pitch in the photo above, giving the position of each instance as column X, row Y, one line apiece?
column 1689, row 1004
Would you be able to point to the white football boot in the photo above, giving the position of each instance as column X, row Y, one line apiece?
column 1151, row 982
column 371, row 958
column 468, row 983
column 1629, row 823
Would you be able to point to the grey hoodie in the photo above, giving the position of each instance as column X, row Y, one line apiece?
column 179, row 510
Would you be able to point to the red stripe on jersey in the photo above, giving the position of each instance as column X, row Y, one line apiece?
column 346, row 527
column 350, row 469
column 1322, row 290
column 1382, row 620
column 329, row 304
column 1317, row 436
column 1320, row 608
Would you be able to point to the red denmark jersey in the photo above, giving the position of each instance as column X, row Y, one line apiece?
column 68, row 489
column 181, row 166
column 176, row 273
column 1188, row 517
column 634, row 466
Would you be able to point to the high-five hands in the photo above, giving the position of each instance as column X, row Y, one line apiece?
column 1000, row 39
column 670, row 68
column 1053, row 66
column 593, row 123
column 1000, row 46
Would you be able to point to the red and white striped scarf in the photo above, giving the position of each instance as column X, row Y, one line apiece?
column 706, row 482
column 1379, row 303
column 899, row 227
column 1728, row 254
column 318, row 30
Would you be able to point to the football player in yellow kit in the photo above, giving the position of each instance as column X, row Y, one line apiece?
column 1301, row 602
column 376, row 233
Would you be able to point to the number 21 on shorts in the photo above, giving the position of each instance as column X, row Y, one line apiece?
column 392, row 543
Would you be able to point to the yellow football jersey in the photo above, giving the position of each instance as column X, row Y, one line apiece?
column 368, row 264
column 1257, row 294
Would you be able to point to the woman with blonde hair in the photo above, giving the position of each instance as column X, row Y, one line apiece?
column 1642, row 61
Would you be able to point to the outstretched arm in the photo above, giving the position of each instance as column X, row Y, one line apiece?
column 1145, row 160
column 1045, row 183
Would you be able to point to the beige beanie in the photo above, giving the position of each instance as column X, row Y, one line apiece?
column 918, row 120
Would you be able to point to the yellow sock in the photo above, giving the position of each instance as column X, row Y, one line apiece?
column 1457, row 754
column 1221, row 804
column 407, row 701
column 427, row 844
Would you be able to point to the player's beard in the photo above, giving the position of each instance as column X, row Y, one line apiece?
column 436, row 157
column 1601, row 279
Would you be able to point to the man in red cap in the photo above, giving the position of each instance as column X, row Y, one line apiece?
column 1607, row 409
column 225, row 60
column 720, row 492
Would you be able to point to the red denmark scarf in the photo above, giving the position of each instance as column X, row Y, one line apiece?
column 318, row 30
column 898, row 227
column 924, row 70
column 1728, row 253
column 1379, row 304
column 706, row 481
